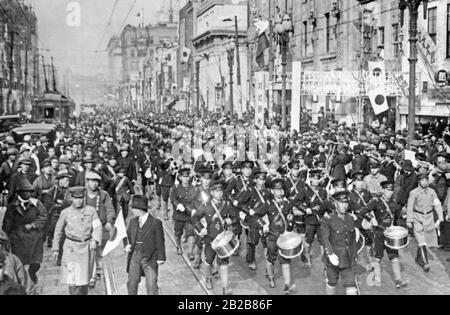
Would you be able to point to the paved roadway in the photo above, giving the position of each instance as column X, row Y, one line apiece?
column 176, row 277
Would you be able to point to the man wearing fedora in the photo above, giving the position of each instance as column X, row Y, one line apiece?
column 7, row 168
column 43, row 149
column 45, row 181
column 146, row 248
column 22, row 173
column 405, row 183
column 24, row 222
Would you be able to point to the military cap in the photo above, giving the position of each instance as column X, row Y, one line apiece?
column 277, row 183
column 217, row 184
column 25, row 161
column 358, row 175
column 259, row 173
column 390, row 153
column 124, row 148
column 24, row 185
column 43, row 139
column 93, row 176
column 47, row 162
column 294, row 164
column 374, row 164
column 341, row 196
column 423, row 174
column 184, row 172
column 338, row 182
column 227, row 164
column 63, row 174
column 388, row 184
column 77, row 191
column 64, row 160
column 316, row 173
column 206, row 172
column 247, row 164
column 88, row 160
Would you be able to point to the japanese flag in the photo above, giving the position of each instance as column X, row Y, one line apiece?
column 117, row 235
column 378, row 100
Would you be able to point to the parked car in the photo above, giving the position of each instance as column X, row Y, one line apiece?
column 35, row 131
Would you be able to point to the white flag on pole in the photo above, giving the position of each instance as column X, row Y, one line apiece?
column 118, row 234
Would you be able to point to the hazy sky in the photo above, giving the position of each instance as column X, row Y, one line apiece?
column 76, row 47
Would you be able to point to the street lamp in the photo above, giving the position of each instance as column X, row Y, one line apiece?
column 284, row 29
column 197, row 60
column 230, row 46
column 413, row 6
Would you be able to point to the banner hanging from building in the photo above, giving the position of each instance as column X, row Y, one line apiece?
column 261, row 80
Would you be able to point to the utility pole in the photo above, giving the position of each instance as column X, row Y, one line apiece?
column 238, row 61
column 11, row 69
column 413, row 6
column 361, row 77
column 54, row 77
column 271, row 63
column 26, row 78
column 197, row 86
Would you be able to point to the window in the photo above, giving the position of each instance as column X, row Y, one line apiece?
column 396, row 40
column 132, row 53
column 327, row 16
column 381, row 37
column 305, row 38
column 432, row 18
column 448, row 31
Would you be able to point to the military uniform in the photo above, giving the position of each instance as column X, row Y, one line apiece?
column 338, row 237
column 182, row 198
column 81, row 227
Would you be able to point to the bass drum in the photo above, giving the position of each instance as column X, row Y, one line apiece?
column 225, row 244
column 290, row 245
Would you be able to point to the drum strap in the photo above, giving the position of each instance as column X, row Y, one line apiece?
column 281, row 213
column 243, row 183
column 222, row 221
column 361, row 197
column 387, row 208
column 260, row 195
column 294, row 185
column 316, row 194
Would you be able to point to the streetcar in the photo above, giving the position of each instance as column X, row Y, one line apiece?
column 51, row 107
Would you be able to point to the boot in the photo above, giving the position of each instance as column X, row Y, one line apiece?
column 351, row 291
column 158, row 202
column 252, row 266
column 179, row 248
column 198, row 258
column 377, row 272
column 399, row 283
column 330, row 290
column 224, row 278
column 426, row 266
column 308, row 255
column 190, row 241
column 208, row 273
column 165, row 210
column 270, row 274
column 419, row 258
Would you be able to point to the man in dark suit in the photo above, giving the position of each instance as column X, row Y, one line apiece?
column 146, row 251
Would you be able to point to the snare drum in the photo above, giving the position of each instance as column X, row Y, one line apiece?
column 396, row 237
column 225, row 244
column 290, row 245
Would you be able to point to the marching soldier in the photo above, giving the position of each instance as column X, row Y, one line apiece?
column 219, row 216
column 311, row 199
column 359, row 198
column 236, row 189
column 166, row 179
column 255, row 197
column 279, row 218
column 83, row 234
column 182, row 198
column 423, row 204
column 202, row 197
column 337, row 234
column 387, row 212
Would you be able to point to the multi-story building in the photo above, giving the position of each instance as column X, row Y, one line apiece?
column 215, row 26
column 186, row 52
column 138, row 60
column 19, row 75
column 114, row 61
